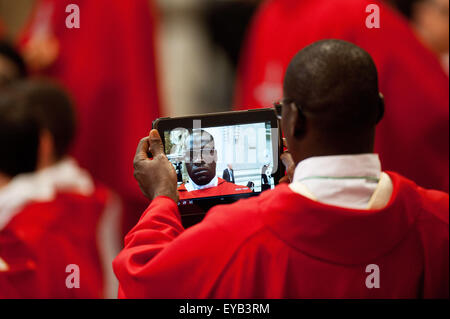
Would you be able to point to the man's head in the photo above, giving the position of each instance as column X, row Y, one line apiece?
column 332, row 103
column 430, row 18
column 12, row 65
column 19, row 136
column 201, row 157
column 52, row 107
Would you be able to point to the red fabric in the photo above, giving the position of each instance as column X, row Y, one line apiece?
column 109, row 67
column 223, row 188
column 2, row 30
column 44, row 238
column 283, row 245
column 7, row 291
column 19, row 280
column 413, row 138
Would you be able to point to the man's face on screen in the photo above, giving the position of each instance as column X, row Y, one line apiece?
column 201, row 157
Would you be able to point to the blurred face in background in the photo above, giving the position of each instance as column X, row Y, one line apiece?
column 431, row 19
column 8, row 71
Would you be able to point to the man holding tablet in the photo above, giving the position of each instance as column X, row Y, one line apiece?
column 339, row 229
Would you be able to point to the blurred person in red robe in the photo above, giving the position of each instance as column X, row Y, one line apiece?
column 17, row 262
column 51, row 206
column 413, row 137
column 340, row 227
column 108, row 64
column 430, row 20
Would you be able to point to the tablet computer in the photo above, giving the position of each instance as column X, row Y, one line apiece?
column 222, row 157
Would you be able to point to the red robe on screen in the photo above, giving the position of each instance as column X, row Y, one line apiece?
column 108, row 65
column 223, row 188
column 413, row 138
column 283, row 245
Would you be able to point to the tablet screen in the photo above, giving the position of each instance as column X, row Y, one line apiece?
column 222, row 157
column 222, row 161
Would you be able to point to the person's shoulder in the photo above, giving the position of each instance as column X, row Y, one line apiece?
column 435, row 204
column 35, row 219
column 432, row 205
column 35, row 226
column 84, row 203
column 41, row 221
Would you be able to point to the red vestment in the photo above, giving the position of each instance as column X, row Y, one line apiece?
column 18, row 278
column 41, row 240
column 2, row 30
column 413, row 137
column 108, row 65
column 283, row 245
column 223, row 188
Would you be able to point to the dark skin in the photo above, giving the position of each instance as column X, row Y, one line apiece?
column 304, row 141
column 8, row 71
column 156, row 176
column 201, row 168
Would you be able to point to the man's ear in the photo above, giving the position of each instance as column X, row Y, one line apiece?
column 381, row 108
column 297, row 121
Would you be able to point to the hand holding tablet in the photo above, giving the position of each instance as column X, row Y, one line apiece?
column 210, row 159
column 156, row 176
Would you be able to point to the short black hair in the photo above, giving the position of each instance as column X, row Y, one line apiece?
column 9, row 52
column 19, row 135
column 406, row 7
column 53, row 107
column 335, row 83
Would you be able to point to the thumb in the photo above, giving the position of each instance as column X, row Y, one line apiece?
column 155, row 143
column 141, row 151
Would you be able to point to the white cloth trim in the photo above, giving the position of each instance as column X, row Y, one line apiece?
column 42, row 186
column 4, row 267
column 346, row 181
column 191, row 186
column 382, row 194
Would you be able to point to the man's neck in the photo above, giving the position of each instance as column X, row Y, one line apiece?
column 4, row 180
column 303, row 157
column 211, row 183
column 316, row 148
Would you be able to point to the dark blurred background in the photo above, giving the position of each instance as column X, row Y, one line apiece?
column 199, row 46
